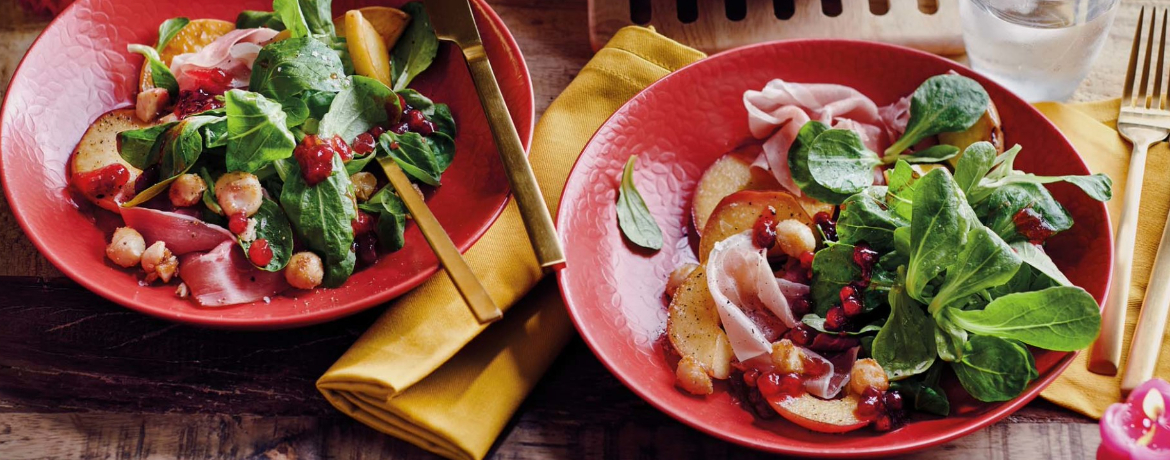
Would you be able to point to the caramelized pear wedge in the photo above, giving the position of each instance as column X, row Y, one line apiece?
column 366, row 48
column 692, row 326
column 389, row 22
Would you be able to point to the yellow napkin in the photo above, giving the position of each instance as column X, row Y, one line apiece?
column 1092, row 128
column 428, row 373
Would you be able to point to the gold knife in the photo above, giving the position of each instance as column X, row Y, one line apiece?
column 477, row 298
column 452, row 20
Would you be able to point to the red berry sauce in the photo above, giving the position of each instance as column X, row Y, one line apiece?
column 315, row 157
column 827, row 225
column 883, row 408
column 238, row 223
column 363, row 224
column 363, row 144
column 764, row 232
column 1032, row 226
column 195, row 101
column 260, row 253
column 102, row 181
column 835, row 319
column 801, row 335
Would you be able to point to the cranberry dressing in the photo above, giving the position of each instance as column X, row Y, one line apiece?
column 102, row 181
column 827, row 225
column 764, row 232
column 1032, row 225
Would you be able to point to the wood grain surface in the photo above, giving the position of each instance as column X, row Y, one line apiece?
column 81, row 377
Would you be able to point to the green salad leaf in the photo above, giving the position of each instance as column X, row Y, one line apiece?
column 975, row 163
column 900, row 192
column 798, row 163
column 182, row 146
column 839, row 162
column 209, row 200
column 251, row 19
column 413, row 154
column 356, row 109
column 634, row 218
column 392, row 214
column 287, row 68
column 933, row 154
column 1062, row 318
column 416, row 48
column 142, row 147
column 305, row 17
column 160, row 74
column 1000, row 208
column 273, row 226
column 902, row 347
column 168, row 29
column 924, row 393
column 983, row 262
column 943, row 103
column 994, row 369
column 866, row 217
column 1038, row 260
column 938, row 230
column 322, row 215
column 443, row 139
column 257, row 133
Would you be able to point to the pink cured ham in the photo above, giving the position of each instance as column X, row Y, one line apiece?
column 827, row 385
column 778, row 111
column 233, row 53
column 748, row 296
column 792, row 290
column 224, row 277
column 182, row 233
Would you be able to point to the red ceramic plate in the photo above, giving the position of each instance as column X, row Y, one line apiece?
column 79, row 68
column 678, row 127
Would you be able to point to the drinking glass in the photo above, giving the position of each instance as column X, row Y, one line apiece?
column 1039, row 49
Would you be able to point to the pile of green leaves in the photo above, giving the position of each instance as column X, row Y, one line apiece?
column 957, row 284
column 300, row 86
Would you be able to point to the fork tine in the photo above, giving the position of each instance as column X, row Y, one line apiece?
column 1158, row 102
column 1142, row 101
column 1127, row 96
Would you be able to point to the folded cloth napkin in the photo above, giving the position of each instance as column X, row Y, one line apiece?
column 1092, row 128
column 426, row 371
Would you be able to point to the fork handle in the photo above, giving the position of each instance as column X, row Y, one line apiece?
column 537, row 220
column 1147, row 338
column 1105, row 357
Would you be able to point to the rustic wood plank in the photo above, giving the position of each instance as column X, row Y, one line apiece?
column 210, row 436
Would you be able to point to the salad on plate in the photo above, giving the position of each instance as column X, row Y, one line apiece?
column 249, row 163
column 854, row 255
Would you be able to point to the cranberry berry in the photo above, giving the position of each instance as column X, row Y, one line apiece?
column 238, row 223
column 828, row 227
column 764, row 232
column 260, row 253
column 835, row 319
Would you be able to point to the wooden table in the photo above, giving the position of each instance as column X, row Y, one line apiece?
column 81, row 377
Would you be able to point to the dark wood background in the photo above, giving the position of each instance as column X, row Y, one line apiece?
column 81, row 377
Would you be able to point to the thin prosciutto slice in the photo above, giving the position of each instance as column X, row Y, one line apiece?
column 233, row 53
column 748, row 296
column 827, row 385
column 181, row 233
column 224, row 277
column 778, row 111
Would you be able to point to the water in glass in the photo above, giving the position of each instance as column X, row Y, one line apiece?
column 1040, row 49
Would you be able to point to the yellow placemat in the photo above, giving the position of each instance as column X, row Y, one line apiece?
column 1092, row 128
column 424, row 372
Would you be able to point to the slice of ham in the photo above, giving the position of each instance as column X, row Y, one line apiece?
column 224, row 277
column 895, row 117
column 181, row 233
column 827, row 385
column 778, row 111
column 792, row 290
column 233, row 53
column 751, row 305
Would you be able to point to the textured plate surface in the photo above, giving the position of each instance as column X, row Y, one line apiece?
column 682, row 124
column 79, row 69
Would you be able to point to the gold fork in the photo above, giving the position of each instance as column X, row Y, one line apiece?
column 1143, row 121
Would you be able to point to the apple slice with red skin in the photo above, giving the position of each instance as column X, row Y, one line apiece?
column 732, row 173
column 823, row 415
column 739, row 211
